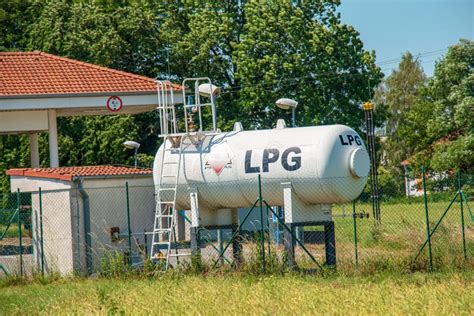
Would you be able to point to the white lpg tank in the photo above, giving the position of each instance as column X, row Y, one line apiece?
column 325, row 165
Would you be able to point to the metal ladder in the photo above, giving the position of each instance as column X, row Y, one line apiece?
column 164, row 228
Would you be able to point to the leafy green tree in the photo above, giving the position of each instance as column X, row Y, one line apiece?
column 121, row 36
column 398, row 93
column 14, row 152
column 201, row 39
column 440, row 127
column 303, row 51
column 257, row 51
column 15, row 17
column 91, row 140
column 261, row 51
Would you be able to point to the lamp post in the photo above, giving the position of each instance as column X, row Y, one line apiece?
column 286, row 104
column 130, row 144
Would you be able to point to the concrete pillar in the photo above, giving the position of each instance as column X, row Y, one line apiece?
column 195, row 222
column 289, row 240
column 53, row 139
column 34, row 150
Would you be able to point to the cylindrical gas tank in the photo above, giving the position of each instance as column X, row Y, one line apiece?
column 324, row 164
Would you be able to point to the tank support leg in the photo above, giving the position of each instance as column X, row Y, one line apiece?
column 195, row 248
column 330, row 243
column 236, row 246
column 289, row 241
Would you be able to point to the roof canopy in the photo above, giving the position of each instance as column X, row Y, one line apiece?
column 27, row 74
column 41, row 81
column 36, row 88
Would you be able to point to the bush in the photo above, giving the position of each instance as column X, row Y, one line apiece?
column 390, row 186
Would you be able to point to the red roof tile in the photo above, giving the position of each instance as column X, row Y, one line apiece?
column 38, row 73
column 69, row 173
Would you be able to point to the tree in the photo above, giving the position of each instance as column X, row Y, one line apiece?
column 441, row 125
column 15, row 16
column 398, row 94
column 257, row 51
column 121, row 36
column 303, row 51
column 260, row 51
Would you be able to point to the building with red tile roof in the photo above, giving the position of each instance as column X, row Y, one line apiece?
column 71, row 173
column 40, row 74
column 37, row 87
column 81, row 209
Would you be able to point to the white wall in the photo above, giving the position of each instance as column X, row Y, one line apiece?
column 63, row 217
column 57, row 231
column 108, row 208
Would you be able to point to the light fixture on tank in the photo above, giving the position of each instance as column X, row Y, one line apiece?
column 286, row 104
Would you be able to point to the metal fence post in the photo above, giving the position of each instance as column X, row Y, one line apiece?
column 41, row 230
column 128, row 225
column 19, row 230
column 262, row 237
column 220, row 243
column 268, row 238
column 462, row 216
column 145, row 239
column 428, row 233
column 355, row 232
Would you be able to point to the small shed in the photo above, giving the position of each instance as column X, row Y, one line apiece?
column 86, row 213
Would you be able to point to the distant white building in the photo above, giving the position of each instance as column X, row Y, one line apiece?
column 413, row 187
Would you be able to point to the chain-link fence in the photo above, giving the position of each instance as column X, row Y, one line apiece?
column 16, row 233
column 307, row 224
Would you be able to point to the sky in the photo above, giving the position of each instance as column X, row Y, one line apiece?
column 425, row 27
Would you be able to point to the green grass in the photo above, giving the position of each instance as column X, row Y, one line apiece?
column 445, row 293
column 12, row 231
column 383, row 283
column 403, row 231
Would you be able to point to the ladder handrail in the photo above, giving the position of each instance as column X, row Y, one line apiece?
column 165, row 108
column 197, row 102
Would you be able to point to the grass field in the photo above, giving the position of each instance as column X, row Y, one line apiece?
column 383, row 283
column 419, row 293
column 403, row 230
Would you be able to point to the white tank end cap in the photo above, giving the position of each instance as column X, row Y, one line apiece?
column 238, row 127
column 280, row 124
column 359, row 163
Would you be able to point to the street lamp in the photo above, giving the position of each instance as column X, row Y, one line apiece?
column 286, row 104
column 207, row 89
column 130, row 144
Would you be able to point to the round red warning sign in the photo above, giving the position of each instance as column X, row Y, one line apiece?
column 114, row 103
